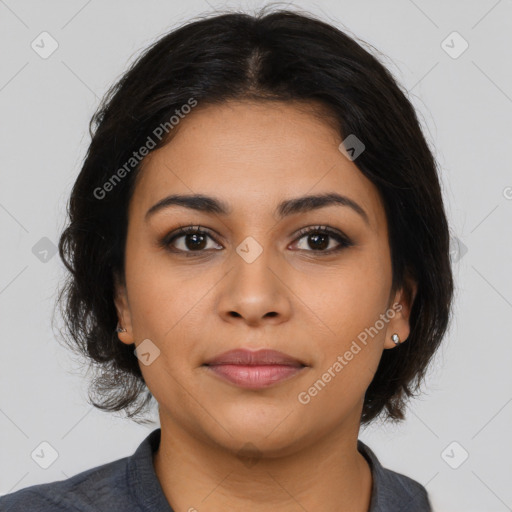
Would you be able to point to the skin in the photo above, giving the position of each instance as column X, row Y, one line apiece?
column 291, row 298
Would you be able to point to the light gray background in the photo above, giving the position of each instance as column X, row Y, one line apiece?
column 465, row 105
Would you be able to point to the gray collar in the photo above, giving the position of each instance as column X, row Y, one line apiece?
column 392, row 491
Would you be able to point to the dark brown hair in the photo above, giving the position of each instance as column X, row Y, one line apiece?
column 276, row 56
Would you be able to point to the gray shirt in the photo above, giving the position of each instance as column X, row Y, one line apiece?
column 130, row 484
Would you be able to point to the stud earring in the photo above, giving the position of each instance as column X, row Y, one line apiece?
column 119, row 329
column 396, row 339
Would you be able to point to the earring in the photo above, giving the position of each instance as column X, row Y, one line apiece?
column 119, row 329
column 396, row 339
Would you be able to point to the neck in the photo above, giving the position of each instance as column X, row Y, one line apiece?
column 328, row 474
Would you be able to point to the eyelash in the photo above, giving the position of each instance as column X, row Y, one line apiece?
column 343, row 240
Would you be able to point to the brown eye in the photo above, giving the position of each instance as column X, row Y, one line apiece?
column 323, row 240
column 189, row 239
column 193, row 239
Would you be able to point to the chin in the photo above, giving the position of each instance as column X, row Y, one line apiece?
column 269, row 433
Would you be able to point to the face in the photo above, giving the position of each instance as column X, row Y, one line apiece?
column 265, row 271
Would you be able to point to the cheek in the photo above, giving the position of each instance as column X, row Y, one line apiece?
column 168, row 308
column 353, row 305
column 344, row 370
column 160, row 295
column 351, row 297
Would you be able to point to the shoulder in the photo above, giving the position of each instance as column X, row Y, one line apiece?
column 393, row 491
column 404, row 493
column 95, row 489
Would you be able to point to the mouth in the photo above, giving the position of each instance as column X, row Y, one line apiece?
column 254, row 369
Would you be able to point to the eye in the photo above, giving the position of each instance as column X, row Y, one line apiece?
column 319, row 238
column 194, row 238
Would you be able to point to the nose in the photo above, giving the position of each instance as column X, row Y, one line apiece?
column 255, row 293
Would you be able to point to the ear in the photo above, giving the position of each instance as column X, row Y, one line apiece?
column 401, row 304
column 123, row 310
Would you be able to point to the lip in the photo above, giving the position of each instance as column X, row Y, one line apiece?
column 254, row 369
column 261, row 357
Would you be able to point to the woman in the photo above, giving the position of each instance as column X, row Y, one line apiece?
column 257, row 240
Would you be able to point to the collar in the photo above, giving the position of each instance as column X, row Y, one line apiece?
column 388, row 489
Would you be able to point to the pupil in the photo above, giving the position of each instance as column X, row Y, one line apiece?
column 196, row 244
column 323, row 241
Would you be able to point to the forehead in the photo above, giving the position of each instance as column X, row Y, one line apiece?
column 253, row 155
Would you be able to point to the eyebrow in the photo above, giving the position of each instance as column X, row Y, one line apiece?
column 211, row 205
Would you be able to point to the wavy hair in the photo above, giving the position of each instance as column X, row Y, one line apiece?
column 277, row 56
